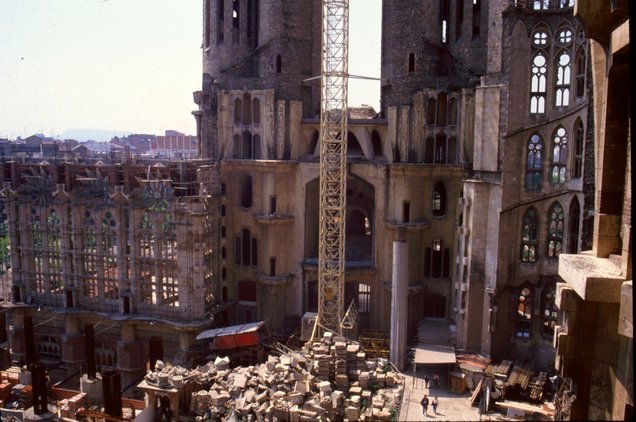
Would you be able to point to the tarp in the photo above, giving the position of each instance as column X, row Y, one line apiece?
column 233, row 336
column 434, row 354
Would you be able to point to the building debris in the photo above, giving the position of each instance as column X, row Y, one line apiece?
column 327, row 380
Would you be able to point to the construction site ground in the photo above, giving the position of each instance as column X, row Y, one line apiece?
column 452, row 407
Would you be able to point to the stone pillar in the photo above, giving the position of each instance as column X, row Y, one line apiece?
column 399, row 296
column 73, row 347
column 93, row 389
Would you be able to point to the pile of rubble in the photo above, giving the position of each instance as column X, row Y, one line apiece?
column 327, row 380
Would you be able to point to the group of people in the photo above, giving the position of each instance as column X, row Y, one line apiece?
column 425, row 403
column 425, row 400
column 435, row 380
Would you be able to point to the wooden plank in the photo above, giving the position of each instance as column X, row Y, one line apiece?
column 526, row 407
column 476, row 392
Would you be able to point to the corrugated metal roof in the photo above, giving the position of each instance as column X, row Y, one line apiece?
column 230, row 331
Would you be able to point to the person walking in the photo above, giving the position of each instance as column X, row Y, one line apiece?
column 434, row 404
column 426, row 380
column 435, row 380
column 424, row 403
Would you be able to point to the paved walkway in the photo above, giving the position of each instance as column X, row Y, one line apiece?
column 452, row 407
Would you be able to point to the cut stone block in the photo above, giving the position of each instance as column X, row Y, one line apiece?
column 352, row 413
column 324, row 386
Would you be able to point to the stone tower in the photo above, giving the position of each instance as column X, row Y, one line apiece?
column 252, row 45
column 430, row 43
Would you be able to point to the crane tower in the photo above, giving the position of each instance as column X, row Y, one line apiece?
column 333, row 157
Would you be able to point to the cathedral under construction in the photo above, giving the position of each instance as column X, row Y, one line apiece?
column 466, row 189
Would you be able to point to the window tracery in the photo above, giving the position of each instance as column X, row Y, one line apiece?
column 559, row 156
column 534, row 162
column 529, row 236
column 563, row 80
column 523, row 305
column 555, row 230
column 439, row 200
column 538, row 84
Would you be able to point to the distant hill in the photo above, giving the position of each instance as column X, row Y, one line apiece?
column 100, row 135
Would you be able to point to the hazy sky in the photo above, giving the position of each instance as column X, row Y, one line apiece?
column 128, row 65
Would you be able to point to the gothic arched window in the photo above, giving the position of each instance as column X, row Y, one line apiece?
column 559, row 156
column 538, row 84
column 574, row 218
column 256, row 110
column 555, row 230
column 431, row 109
column 580, row 73
column 524, row 302
column 550, row 312
column 441, row 109
column 579, row 141
column 246, row 192
column 452, row 112
column 563, row 79
column 439, row 200
column 534, row 162
column 529, row 236
column 237, row 110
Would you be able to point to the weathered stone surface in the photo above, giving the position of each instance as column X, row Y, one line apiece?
column 593, row 279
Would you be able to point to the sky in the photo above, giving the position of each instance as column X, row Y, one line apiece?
column 127, row 65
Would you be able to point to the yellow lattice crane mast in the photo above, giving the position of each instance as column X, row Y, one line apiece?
column 333, row 157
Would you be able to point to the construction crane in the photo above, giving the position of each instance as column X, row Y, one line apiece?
column 333, row 157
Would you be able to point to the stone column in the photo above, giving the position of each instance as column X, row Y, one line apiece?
column 399, row 295
column 130, row 355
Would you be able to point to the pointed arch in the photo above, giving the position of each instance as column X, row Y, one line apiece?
column 579, row 71
column 246, row 147
column 579, row 143
column 256, row 110
column 452, row 112
column 431, row 110
column 441, row 109
column 247, row 109
column 238, row 110
column 574, row 219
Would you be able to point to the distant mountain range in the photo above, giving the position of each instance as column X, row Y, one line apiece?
column 100, row 135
